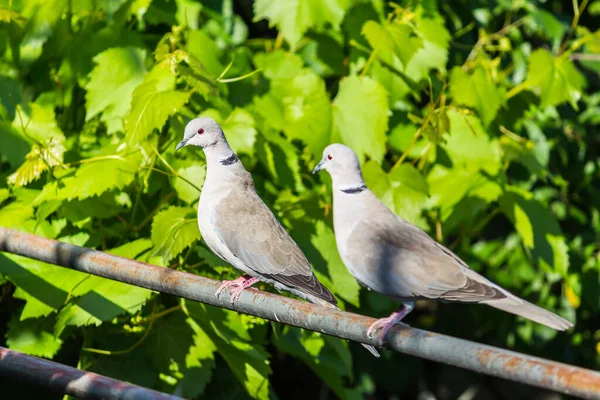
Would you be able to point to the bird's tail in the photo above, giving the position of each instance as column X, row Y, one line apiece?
column 324, row 303
column 525, row 309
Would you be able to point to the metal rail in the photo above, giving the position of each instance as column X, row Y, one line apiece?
column 432, row 346
column 72, row 381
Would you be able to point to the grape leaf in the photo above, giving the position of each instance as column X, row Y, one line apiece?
column 37, row 161
column 151, row 105
column 436, row 39
column 248, row 361
column 239, row 129
column 94, row 178
column 200, row 363
column 342, row 283
column 111, row 83
column 194, row 174
column 556, row 77
column 538, row 228
column 469, row 146
column 403, row 190
column 360, row 116
column 173, row 230
column 477, row 90
column 394, row 37
column 44, row 287
column 37, row 120
column 32, row 336
column 294, row 17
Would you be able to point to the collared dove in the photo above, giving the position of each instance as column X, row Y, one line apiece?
column 391, row 256
column 237, row 225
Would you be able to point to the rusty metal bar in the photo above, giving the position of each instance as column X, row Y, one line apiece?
column 477, row 357
column 72, row 381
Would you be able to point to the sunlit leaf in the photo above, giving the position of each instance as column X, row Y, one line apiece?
column 173, row 230
column 360, row 116
column 295, row 17
column 556, row 77
column 152, row 104
column 112, row 81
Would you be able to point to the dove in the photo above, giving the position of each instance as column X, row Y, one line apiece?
column 389, row 255
column 239, row 227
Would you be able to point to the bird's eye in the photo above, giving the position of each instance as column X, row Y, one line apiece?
column 200, row 131
column 329, row 157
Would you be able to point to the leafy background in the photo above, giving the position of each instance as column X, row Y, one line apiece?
column 477, row 121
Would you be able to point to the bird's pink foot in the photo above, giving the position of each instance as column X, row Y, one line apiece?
column 235, row 283
column 238, row 284
column 385, row 324
column 235, row 293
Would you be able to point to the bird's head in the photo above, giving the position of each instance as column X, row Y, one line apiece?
column 337, row 159
column 203, row 132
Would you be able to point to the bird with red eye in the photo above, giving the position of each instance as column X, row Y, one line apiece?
column 200, row 131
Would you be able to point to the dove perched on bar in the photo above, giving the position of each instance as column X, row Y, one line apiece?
column 393, row 257
column 238, row 227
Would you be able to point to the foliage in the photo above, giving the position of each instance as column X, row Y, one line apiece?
column 477, row 121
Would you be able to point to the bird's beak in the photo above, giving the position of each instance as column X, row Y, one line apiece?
column 318, row 167
column 181, row 144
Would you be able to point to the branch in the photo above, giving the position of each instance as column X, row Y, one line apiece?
column 432, row 346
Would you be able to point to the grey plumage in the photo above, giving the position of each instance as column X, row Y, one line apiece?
column 237, row 225
column 391, row 256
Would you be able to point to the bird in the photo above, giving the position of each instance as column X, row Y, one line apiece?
column 391, row 256
column 238, row 226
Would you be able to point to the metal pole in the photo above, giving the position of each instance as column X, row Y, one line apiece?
column 432, row 346
column 64, row 379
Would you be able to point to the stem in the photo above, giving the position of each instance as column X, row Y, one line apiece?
column 131, row 348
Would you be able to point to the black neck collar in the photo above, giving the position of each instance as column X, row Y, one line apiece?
column 354, row 190
column 232, row 159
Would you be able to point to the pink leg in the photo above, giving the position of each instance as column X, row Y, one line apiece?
column 386, row 323
column 235, row 293
column 235, row 283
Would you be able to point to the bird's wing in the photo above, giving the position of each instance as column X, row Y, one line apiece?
column 418, row 266
column 251, row 232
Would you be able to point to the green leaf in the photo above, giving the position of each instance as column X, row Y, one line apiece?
column 360, row 116
column 32, row 336
column 279, row 157
column 312, row 348
column 39, row 122
column 477, row 90
column 194, row 174
column 10, row 92
column 94, row 178
column 294, row 17
column 300, row 107
column 15, row 214
column 342, row 283
column 44, row 287
column 11, row 138
column 39, row 160
column 248, row 361
column 448, row 186
column 556, row 77
column 436, row 39
column 469, row 146
column 403, row 190
column 394, row 37
column 111, row 83
column 239, row 129
column 152, row 104
column 205, row 51
column 173, row 230
column 200, row 363
column 538, row 229
column 170, row 341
